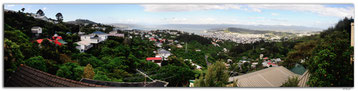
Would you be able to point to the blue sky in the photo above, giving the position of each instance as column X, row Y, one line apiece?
column 309, row 15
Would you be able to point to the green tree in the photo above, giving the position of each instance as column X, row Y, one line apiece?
column 12, row 57
column 59, row 17
column 176, row 75
column 37, row 63
column 302, row 51
column 64, row 58
column 84, row 59
column 40, row 12
column 88, row 72
column 22, row 9
column 329, row 64
column 101, row 76
column 200, row 82
column 216, row 76
column 71, row 71
column 291, row 82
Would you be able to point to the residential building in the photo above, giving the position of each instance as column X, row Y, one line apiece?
column 36, row 30
column 157, row 60
column 179, row 46
column 304, row 79
column 26, row 76
column 83, row 45
column 159, row 44
column 102, row 36
column 269, row 77
column 163, row 53
column 87, row 41
column 55, row 39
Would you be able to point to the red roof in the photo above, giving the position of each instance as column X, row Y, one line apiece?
column 56, row 38
column 153, row 39
column 40, row 40
column 269, row 63
column 266, row 58
column 154, row 58
column 56, row 41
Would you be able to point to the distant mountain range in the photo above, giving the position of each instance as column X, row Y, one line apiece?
column 209, row 27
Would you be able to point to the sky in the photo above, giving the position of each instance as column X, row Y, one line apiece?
column 308, row 15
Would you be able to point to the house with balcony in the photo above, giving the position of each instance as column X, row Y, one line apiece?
column 87, row 41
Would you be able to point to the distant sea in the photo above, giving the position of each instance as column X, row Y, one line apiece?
column 195, row 31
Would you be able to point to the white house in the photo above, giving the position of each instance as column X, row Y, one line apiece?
column 179, row 46
column 91, row 38
column 157, row 60
column 163, row 53
column 37, row 16
column 87, row 40
column 83, row 45
column 158, row 44
column 102, row 36
column 36, row 30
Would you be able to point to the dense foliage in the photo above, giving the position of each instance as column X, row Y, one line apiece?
column 330, row 63
column 291, row 82
column 216, row 76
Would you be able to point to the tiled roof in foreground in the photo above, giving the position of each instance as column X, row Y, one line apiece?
column 26, row 76
column 269, row 77
column 304, row 79
column 155, row 83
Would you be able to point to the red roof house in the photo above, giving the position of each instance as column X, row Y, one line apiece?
column 152, row 39
column 266, row 58
column 153, row 58
column 157, row 60
column 55, row 39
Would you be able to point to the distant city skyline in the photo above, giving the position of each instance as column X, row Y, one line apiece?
column 308, row 15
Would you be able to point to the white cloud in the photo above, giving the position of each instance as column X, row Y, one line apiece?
column 319, row 9
column 274, row 14
column 44, row 8
column 187, row 7
column 10, row 5
column 314, row 8
column 256, row 10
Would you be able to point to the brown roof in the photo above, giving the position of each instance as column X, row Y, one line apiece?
column 26, row 76
column 269, row 77
column 304, row 79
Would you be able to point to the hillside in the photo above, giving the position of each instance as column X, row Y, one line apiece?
column 81, row 21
